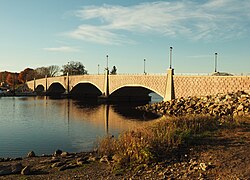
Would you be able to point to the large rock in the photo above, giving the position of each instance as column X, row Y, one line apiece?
column 58, row 152
column 11, row 169
column 31, row 154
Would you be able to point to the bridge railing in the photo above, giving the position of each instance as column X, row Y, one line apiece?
column 210, row 74
column 140, row 74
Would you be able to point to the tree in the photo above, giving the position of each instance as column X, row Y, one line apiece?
column 113, row 71
column 53, row 70
column 4, row 76
column 49, row 71
column 74, row 68
column 26, row 75
column 12, row 79
column 41, row 72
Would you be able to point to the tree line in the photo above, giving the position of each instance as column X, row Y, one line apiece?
column 10, row 78
column 71, row 68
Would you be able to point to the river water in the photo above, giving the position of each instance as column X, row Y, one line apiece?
column 43, row 125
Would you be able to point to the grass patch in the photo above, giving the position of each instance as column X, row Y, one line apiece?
column 157, row 141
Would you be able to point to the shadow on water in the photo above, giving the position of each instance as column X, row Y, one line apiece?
column 124, row 108
column 127, row 110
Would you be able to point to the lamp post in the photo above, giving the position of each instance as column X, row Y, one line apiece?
column 215, row 62
column 68, row 68
column 144, row 66
column 170, row 64
column 107, row 62
column 98, row 69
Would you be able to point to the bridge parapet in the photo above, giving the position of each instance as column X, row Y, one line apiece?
column 209, row 85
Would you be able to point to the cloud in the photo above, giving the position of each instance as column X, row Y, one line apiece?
column 210, row 20
column 100, row 35
column 61, row 49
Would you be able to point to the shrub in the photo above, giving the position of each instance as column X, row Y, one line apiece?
column 153, row 142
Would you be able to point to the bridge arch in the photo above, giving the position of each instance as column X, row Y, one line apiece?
column 132, row 92
column 56, row 89
column 85, row 89
column 40, row 88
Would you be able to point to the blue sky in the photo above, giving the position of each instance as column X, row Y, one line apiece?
column 35, row 33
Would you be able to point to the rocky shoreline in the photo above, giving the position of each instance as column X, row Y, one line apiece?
column 59, row 161
column 231, row 104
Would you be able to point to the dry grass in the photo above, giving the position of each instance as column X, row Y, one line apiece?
column 148, row 144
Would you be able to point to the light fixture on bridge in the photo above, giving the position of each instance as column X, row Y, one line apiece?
column 170, row 65
column 107, row 62
column 215, row 62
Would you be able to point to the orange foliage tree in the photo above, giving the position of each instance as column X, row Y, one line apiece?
column 26, row 75
column 12, row 79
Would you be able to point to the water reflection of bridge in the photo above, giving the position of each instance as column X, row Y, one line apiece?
column 105, row 116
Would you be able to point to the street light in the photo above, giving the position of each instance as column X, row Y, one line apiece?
column 215, row 62
column 170, row 66
column 144, row 66
column 98, row 69
column 107, row 62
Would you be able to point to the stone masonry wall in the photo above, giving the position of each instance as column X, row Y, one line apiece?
column 209, row 85
column 156, row 83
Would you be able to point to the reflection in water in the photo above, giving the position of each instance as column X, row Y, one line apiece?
column 106, row 115
column 44, row 125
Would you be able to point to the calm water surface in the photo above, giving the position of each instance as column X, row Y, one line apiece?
column 44, row 125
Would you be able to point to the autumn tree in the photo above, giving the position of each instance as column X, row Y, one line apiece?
column 3, row 76
column 74, row 68
column 26, row 75
column 12, row 79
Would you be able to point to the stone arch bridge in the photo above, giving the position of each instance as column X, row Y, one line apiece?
column 113, row 87
column 138, row 87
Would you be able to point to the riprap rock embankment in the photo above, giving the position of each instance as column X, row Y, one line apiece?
column 230, row 104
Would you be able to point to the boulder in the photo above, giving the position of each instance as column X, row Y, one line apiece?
column 31, row 154
column 65, row 154
column 58, row 152
column 11, row 169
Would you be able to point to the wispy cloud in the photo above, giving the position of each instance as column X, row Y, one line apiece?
column 210, row 20
column 61, row 49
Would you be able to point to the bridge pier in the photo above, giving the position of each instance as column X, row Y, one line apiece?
column 170, row 94
column 106, row 83
column 67, row 85
column 46, row 84
column 34, row 84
